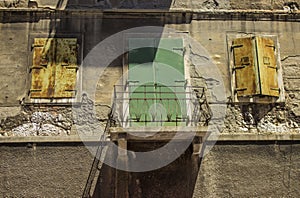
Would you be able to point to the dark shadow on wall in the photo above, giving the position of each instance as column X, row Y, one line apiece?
column 176, row 180
column 93, row 27
column 101, row 4
column 90, row 28
column 120, row 4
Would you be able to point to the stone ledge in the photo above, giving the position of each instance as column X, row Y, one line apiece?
column 47, row 139
column 172, row 10
column 220, row 138
column 183, row 16
column 257, row 137
column 164, row 133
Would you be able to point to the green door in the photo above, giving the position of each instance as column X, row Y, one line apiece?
column 156, row 82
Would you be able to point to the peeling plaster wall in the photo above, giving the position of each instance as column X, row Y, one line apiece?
column 86, row 119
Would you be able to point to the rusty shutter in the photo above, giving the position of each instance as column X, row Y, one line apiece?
column 244, row 65
column 54, row 68
column 43, row 68
column 267, row 66
column 66, row 68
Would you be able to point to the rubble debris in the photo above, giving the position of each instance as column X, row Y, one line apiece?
column 13, row 3
column 291, row 6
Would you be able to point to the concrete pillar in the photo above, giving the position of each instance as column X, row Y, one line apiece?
column 122, row 177
column 197, row 145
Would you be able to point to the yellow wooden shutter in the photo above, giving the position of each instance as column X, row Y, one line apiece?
column 66, row 67
column 54, row 68
column 267, row 66
column 244, row 65
column 43, row 68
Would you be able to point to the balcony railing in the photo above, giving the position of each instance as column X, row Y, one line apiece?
column 159, row 105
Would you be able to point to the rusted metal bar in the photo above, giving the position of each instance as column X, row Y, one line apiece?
column 96, row 162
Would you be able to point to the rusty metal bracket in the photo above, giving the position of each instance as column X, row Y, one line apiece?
column 272, row 46
column 35, row 90
column 72, row 67
column 44, row 64
column 239, row 67
column 240, row 89
column 70, row 90
column 235, row 46
column 275, row 89
column 37, row 67
column 273, row 67
column 35, row 45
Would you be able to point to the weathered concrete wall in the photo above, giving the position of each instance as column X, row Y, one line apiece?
column 13, row 55
column 264, row 169
column 250, row 170
column 49, row 170
column 230, row 169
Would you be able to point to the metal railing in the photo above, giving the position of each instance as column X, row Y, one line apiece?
column 92, row 178
column 160, row 105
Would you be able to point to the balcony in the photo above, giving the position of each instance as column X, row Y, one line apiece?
column 154, row 105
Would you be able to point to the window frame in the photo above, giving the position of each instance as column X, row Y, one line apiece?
column 78, row 81
column 264, row 99
column 125, row 70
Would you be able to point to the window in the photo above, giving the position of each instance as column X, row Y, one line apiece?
column 54, row 68
column 156, row 66
column 255, row 68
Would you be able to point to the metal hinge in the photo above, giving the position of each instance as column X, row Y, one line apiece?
column 36, row 45
column 273, row 67
column 44, row 64
column 37, row 67
column 240, row 89
column 275, row 89
column 272, row 46
column 65, row 64
column 70, row 90
column 178, row 48
column 236, row 46
column 35, row 90
column 239, row 67
column 72, row 67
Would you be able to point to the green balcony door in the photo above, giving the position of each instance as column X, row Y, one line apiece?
column 156, row 82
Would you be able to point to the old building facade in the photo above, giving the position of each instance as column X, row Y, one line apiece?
column 225, row 70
